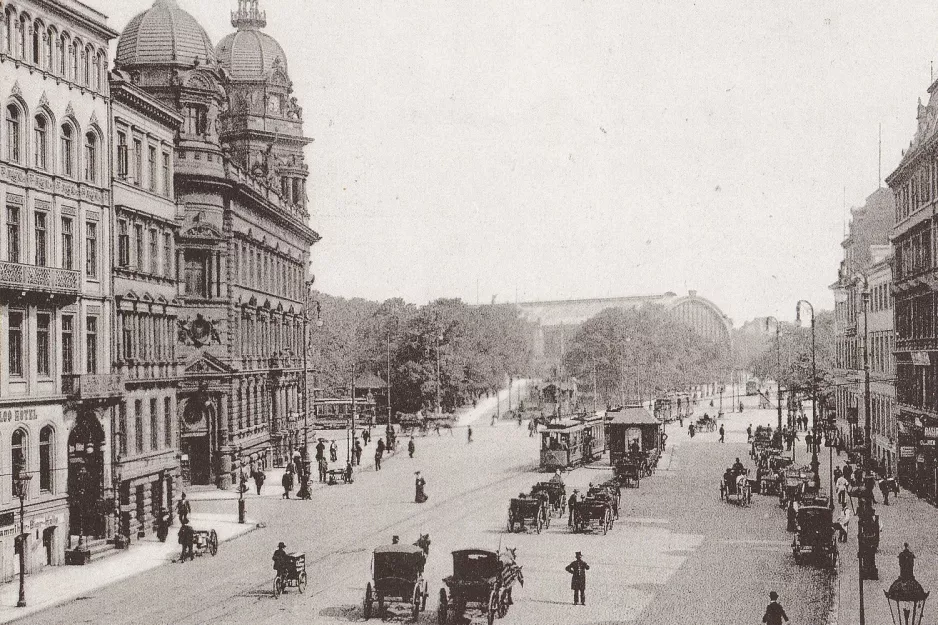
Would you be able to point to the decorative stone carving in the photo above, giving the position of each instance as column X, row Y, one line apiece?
column 197, row 332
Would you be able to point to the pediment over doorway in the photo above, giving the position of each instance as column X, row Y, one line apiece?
column 204, row 362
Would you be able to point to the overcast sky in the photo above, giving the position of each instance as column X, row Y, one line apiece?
column 562, row 149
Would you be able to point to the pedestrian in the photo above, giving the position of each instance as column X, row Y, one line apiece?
column 379, row 451
column 323, row 469
column 183, row 509
column 258, row 476
column 420, row 494
column 774, row 612
column 571, row 509
column 848, row 472
column 358, row 453
column 287, row 483
column 186, row 536
column 333, row 452
column 748, row 433
column 722, row 433
column 280, row 560
column 469, row 432
column 843, row 523
column 296, row 459
column 366, row 435
column 841, row 487
column 837, row 473
column 884, row 489
column 411, row 447
column 320, row 449
column 578, row 569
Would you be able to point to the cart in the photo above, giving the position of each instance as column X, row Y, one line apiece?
column 815, row 535
column 293, row 575
column 628, row 474
column 527, row 512
column 480, row 580
column 204, row 541
column 556, row 493
column 592, row 514
column 396, row 576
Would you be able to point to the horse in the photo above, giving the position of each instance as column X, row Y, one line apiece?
column 509, row 574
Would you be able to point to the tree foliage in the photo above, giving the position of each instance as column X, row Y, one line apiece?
column 795, row 354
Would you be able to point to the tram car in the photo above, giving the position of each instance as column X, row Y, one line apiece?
column 572, row 441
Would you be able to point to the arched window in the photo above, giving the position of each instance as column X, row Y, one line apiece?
column 41, row 147
column 47, row 459
column 38, row 30
column 101, row 71
column 64, row 47
column 86, row 60
column 68, row 150
column 18, row 447
column 21, row 37
column 74, row 51
column 9, row 30
column 14, row 133
column 49, row 46
column 91, row 157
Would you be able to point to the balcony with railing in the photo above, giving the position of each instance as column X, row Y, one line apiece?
column 20, row 277
column 84, row 386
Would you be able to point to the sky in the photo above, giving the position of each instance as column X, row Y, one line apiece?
column 548, row 149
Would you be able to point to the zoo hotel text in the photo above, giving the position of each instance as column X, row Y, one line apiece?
column 18, row 414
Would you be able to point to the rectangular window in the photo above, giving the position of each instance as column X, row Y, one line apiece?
column 138, row 162
column 167, row 422
column 138, row 246
column 122, row 424
column 43, row 343
column 123, row 244
column 68, row 344
column 15, row 341
column 154, row 426
column 167, row 178
column 128, row 336
column 67, row 253
column 91, row 344
column 151, row 163
column 40, row 232
column 45, row 459
column 138, row 425
column 13, row 234
column 91, row 249
column 168, row 254
column 154, row 252
column 122, row 166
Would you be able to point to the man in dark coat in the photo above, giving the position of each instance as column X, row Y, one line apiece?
column 571, row 509
column 379, row 452
column 183, row 509
column 287, row 482
column 186, row 536
column 320, row 450
column 578, row 569
column 774, row 612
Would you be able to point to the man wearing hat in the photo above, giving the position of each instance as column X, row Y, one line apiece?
column 186, row 537
column 571, row 509
column 280, row 559
column 774, row 612
column 578, row 569
column 419, row 496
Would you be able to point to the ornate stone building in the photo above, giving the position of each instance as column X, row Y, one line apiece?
column 243, row 245
column 56, row 390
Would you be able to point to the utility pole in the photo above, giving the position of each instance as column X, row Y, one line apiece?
column 439, row 408
column 595, row 389
column 389, row 377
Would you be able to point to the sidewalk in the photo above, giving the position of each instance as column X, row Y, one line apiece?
column 60, row 584
column 906, row 519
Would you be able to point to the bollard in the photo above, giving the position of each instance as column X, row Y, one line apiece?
column 241, row 511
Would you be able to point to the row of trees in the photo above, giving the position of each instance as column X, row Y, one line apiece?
column 639, row 352
column 477, row 348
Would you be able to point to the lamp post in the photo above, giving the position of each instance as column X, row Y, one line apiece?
column 905, row 596
column 778, row 366
column 815, row 463
column 304, row 493
column 867, row 417
column 21, row 481
column 241, row 486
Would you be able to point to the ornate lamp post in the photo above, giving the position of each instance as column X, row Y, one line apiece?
column 241, row 488
column 21, row 484
column 815, row 463
column 304, row 493
column 905, row 596
column 778, row 366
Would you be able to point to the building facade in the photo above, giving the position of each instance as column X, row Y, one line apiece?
column 56, row 389
column 914, row 184
column 243, row 242
column 145, row 463
column 863, row 319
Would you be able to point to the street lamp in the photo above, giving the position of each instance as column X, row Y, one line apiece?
column 867, row 417
column 815, row 463
column 778, row 366
column 21, row 485
column 303, row 493
column 905, row 596
column 241, row 487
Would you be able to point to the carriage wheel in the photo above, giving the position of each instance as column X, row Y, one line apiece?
column 424, row 597
column 278, row 586
column 441, row 611
column 366, row 604
column 546, row 519
column 492, row 606
column 213, row 543
column 301, row 582
column 511, row 523
column 415, row 610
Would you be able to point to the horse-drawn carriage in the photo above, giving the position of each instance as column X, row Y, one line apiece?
column 763, row 441
column 608, row 492
column 795, row 483
column 481, row 579
column 706, row 423
column 735, row 487
column 770, row 464
column 628, row 473
column 526, row 512
column 556, row 495
column 815, row 535
column 397, row 576
column 593, row 514
column 293, row 574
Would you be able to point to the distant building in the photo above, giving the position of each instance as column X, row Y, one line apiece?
column 866, row 264
column 57, row 392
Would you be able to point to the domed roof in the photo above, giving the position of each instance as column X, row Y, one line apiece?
column 164, row 34
column 249, row 53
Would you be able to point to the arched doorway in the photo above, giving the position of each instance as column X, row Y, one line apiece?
column 195, row 440
column 86, row 477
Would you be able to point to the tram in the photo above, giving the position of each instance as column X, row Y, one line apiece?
column 571, row 441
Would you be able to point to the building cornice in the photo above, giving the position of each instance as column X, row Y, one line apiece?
column 140, row 101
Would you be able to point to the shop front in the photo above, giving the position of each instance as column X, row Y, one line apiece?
column 927, row 462
column 907, row 446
